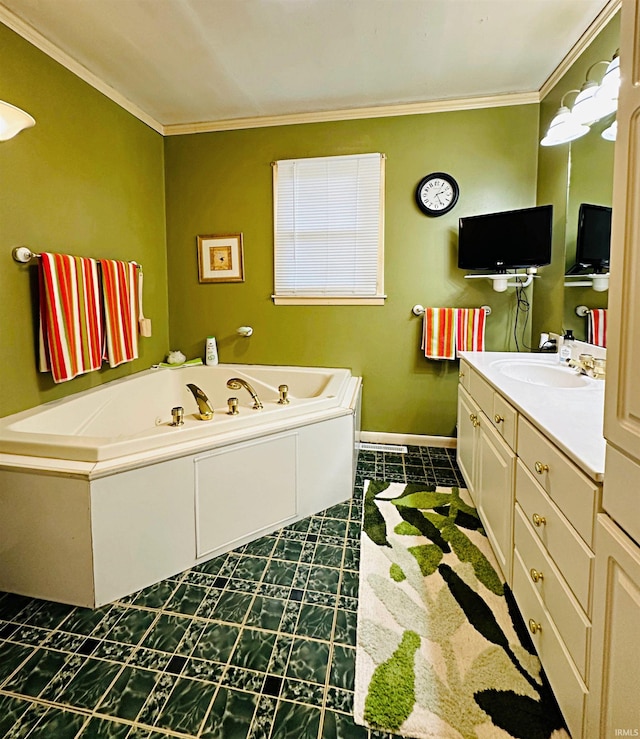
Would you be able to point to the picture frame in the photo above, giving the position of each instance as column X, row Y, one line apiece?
column 220, row 258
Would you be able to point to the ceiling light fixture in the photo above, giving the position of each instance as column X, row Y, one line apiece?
column 13, row 120
column 563, row 127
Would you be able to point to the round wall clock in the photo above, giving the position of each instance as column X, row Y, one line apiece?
column 437, row 193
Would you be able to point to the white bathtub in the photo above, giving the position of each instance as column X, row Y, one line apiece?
column 134, row 414
column 100, row 496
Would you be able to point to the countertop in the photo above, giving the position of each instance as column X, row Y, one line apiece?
column 571, row 417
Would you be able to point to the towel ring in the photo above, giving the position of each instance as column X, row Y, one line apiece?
column 418, row 310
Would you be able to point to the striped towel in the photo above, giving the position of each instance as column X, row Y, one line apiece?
column 470, row 329
column 71, row 333
column 120, row 310
column 597, row 326
column 439, row 333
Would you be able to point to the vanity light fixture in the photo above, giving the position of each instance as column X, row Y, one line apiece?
column 589, row 106
column 610, row 134
column 610, row 85
column 593, row 103
column 563, row 127
column 13, row 120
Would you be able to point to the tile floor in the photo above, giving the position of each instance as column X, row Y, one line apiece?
column 255, row 644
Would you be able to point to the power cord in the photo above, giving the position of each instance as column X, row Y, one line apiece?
column 522, row 306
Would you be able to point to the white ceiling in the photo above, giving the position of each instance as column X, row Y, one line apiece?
column 174, row 62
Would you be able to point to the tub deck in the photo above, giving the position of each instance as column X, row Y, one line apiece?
column 133, row 415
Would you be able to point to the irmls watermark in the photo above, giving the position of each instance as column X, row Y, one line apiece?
column 626, row 732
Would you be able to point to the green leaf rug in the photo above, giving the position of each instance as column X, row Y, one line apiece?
column 441, row 652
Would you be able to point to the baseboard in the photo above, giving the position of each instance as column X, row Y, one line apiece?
column 383, row 437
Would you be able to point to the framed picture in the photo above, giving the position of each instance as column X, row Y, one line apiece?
column 220, row 258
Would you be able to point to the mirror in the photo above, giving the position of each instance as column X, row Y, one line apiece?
column 568, row 175
column 590, row 181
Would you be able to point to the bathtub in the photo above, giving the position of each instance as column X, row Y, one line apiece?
column 133, row 415
column 101, row 496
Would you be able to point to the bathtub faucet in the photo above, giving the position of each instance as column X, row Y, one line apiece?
column 204, row 406
column 235, row 383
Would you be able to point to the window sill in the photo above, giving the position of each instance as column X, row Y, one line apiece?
column 324, row 300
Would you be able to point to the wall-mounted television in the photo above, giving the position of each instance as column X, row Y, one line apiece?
column 511, row 239
column 593, row 244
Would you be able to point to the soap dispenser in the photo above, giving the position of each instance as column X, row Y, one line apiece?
column 564, row 355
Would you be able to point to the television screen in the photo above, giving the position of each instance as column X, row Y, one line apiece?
column 507, row 240
column 593, row 243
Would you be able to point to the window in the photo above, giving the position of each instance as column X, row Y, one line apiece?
column 329, row 230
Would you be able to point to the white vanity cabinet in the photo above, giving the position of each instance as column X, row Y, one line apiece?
column 487, row 460
column 553, row 565
column 539, row 510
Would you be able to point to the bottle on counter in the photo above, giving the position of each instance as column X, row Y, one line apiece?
column 564, row 355
column 211, row 351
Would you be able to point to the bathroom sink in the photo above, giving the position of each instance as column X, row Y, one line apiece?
column 546, row 375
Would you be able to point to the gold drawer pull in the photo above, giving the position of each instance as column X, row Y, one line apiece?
column 498, row 419
column 535, row 575
column 540, row 467
column 534, row 627
column 538, row 520
column 461, row 375
column 474, row 419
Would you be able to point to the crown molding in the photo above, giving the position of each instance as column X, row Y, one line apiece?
column 29, row 33
column 601, row 20
column 349, row 114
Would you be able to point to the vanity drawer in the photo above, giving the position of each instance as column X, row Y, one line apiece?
column 505, row 419
column 464, row 375
column 572, row 624
column 568, row 687
column 482, row 393
column 572, row 491
column 570, row 554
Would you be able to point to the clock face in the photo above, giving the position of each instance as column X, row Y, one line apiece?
column 437, row 193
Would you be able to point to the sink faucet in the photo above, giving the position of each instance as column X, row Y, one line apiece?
column 586, row 364
column 204, row 406
column 235, row 383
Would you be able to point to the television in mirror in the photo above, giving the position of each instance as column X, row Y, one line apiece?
column 593, row 242
column 512, row 239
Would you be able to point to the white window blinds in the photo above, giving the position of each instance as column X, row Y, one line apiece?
column 329, row 226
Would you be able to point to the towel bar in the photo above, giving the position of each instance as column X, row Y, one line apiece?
column 418, row 310
column 24, row 255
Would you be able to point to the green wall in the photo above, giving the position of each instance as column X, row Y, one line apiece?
column 88, row 179
column 221, row 183
column 569, row 174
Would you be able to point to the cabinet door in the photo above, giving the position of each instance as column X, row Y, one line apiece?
column 494, row 492
column 612, row 705
column 622, row 389
column 468, row 415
